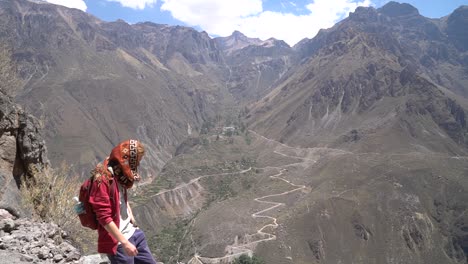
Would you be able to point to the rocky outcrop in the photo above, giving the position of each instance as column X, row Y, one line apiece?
column 235, row 42
column 456, row 28
column 23, row 155
column 22, row 152
column 23, row 241
column 395, row 9
column 254, row 65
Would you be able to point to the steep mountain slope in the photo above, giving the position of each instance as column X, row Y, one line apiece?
column 94, row 83
column 357, row 156
column 236, row 41
column 254, row 65
column 366, row 79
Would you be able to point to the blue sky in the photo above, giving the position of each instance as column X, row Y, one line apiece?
column 289, row 20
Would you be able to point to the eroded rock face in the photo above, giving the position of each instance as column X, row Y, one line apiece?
column 456, row 29
column 22, row 150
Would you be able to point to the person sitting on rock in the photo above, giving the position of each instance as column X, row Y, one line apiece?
column 118, row 235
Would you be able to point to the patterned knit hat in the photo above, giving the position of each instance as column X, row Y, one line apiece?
column 125, row 156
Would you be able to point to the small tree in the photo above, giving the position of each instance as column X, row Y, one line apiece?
column 245, row 259
column 229, row 133
column 248, row 139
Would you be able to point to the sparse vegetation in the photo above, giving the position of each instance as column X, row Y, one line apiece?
column 247, row 138
column 247, row 183
column 224, row 187
column 209, row 155
column 229, row 133
column 206, row 127
column 220, row 189
column 245, row 259
column 229, row 124
column 247, row 162
column 171, row 244
column 49, row 195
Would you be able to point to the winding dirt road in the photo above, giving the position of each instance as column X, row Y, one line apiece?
column 236, row 250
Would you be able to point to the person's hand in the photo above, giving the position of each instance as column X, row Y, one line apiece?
column 129, row 249
column 132, row 221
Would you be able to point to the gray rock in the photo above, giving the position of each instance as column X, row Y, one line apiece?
column 35, row 251
column 4, row 214
column 94, row 259
column 23, row 152
column 30, row 243
column 31, row 145
column 34, row 244
column 7, row 238
column 58, row 257
column 43, row 252
column 74, row 255
column 66, row 247
column 7, row 225
column 15, row 258
column 27, row 258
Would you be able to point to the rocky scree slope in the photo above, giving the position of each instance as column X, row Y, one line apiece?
column 24, row 241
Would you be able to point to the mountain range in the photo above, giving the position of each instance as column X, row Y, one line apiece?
column 350, row 147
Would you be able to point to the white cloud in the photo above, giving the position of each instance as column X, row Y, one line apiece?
column 205, row 12
column 78, row 4
column 136, row 4
column 223, row 17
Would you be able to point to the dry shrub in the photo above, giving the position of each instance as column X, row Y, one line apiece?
column 49, row 195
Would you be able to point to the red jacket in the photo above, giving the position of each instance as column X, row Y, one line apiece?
column 106, row 210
